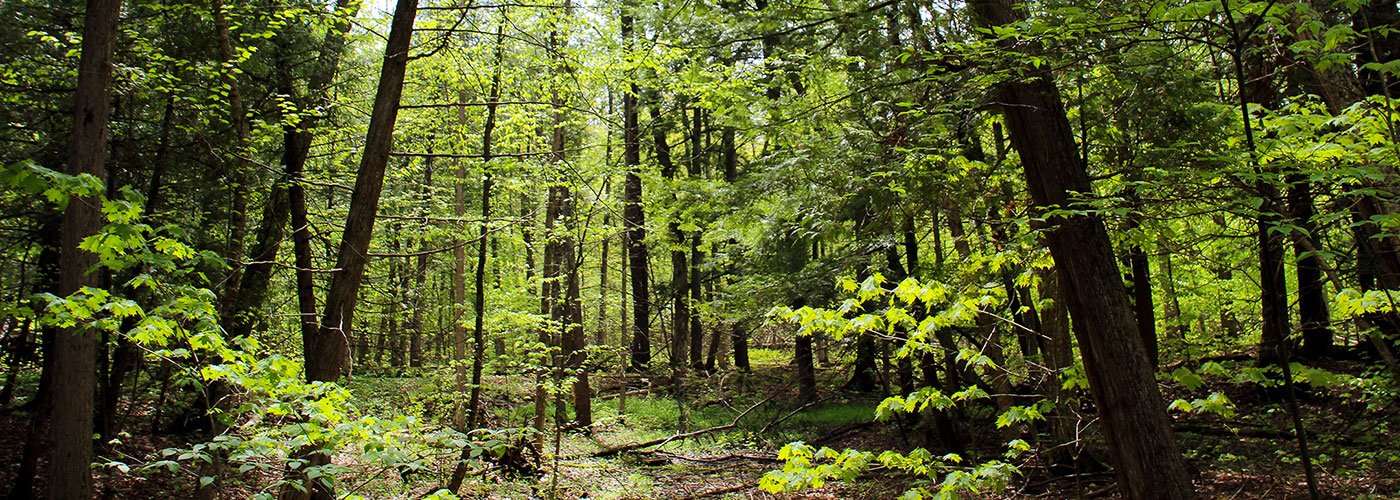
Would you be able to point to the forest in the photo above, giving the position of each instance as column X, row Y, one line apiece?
column 615, row 249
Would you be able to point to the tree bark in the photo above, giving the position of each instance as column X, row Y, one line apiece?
column 696, row 166
column 1136, row 427
column 806, row 371
column 328, row 350
column 1313, row 316
column 680, row 268
column 569, row 312
column 459, row 279
column 1256, row 87
column 633, row 214
column 74, row 349
column 296, row 146
column 238, row 175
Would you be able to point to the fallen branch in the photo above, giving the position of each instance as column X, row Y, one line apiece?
column 1196, row 362
column 842, row 431
column 637, row 392
column 799, row 409
column 723, row 458
column 685, row 435
column 721, row 491
column 1254, row 432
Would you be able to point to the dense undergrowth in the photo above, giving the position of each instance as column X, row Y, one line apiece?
column 1233, row 429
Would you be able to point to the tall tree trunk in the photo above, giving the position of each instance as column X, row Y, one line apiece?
column 1257, row 88
column 74, row 349
column 680, row 268
column 738, row 336
column 1313, row 316
column 296, row 146
column 570, row 311
column 487, row 182
column 695, row 170
column 1136, row 427
column 238, row 176
column 601, row 336
column 246, row 283
column 633, row 214
column 459, row 279
column 420, row 274
column 327, row 351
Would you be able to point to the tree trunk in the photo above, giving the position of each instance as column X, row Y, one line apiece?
column 74, row 348
column 1136, row 427
column 327, row 353
column 680, row 268
column 420, row 274
column 696, row 164
column 1313, row 316
column 238, row 175
column 296, row 143
column 634, row 216
column 459, row 279
column 806, row 372
column 601, row 336
column 570, row 311
column 487, row 182
column 1142, row 302
column 1257, row 88
column 1059, row 356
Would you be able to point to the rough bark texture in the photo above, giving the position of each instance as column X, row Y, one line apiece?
column 327, row 352
column 634, row 218
column 296, row 143
column 1136, row 427
column 237, row 175
column 74, row 349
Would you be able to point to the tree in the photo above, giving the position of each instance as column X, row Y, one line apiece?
column 1136, row 427
column 634, row 215
column 328, row 352
column 74, row 348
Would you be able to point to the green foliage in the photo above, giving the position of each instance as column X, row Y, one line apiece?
column 808, row 467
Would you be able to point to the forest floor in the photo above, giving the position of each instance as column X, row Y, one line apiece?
column 1246, row 453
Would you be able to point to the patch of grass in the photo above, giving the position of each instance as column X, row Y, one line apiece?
column 769, row 357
